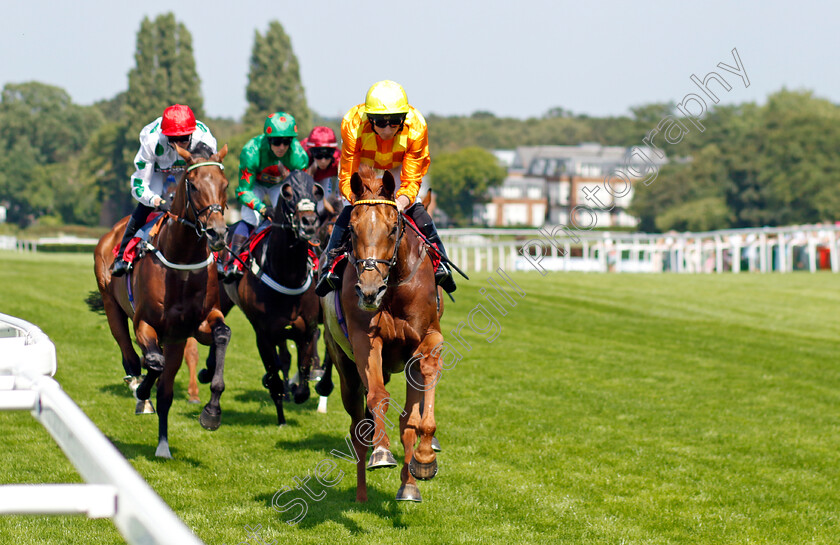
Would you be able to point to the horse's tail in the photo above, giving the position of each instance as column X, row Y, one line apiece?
column 94, row 302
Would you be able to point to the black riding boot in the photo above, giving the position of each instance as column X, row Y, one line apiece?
column 328, row 280
column 231, row 271
column 137, row 219
column 443, row 276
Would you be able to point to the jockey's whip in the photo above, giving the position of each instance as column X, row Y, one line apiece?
column 424, row 239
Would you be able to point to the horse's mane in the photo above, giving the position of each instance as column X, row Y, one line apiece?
column 202, row 150
column 372, row 186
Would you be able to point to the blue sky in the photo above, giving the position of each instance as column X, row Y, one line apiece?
column 513, row 58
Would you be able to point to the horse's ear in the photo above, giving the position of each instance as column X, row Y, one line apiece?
column 317, row 192
column 388, row 185
column 356, row 185
column 287, row 191
column 183, row 153
column 221, row 154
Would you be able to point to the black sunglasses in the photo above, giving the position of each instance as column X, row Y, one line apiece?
column 180, row 139
column 322, row 153
column 280, row 141
column 387, row 120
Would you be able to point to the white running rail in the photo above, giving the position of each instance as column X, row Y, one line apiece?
column 113, row 488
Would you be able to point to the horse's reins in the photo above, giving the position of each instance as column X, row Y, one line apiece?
column 304, row 205
column 369, row 263
column 215, row 207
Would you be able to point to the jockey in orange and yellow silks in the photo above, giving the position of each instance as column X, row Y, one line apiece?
column 408, row 149
column 386, row 133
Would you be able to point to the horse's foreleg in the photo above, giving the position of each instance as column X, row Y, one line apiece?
column 191, row 358
column 173, row 354
column 118, row 323
column 284, row 362
column 271, row 380
column 369, row 364
column 423, row 464
column 211, row 415
column 152, row 358
column 409, row 424
column 325, row 386
column 307, row 353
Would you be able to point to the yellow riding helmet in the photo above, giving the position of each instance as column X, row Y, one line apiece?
column 386, row 97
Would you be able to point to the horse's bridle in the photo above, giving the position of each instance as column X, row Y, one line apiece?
column 369, row 263
column 290, row 222
column 199, row 225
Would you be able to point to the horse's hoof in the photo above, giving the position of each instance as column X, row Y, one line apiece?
column 435, row 444
column 205, row 376
column 381, row 457
column 409, row 492
column 424, row 472
column 163, row 450
column 144, row 407
column 302, row 396
column 322, row 404
column 324, row 388
column 198, row 400
column 210, row 421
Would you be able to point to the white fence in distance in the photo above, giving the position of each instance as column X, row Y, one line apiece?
column 113, row 488
column 763, row 249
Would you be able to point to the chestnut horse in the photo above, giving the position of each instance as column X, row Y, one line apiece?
column 172, row 293
column 390, row 305
column 277, row 293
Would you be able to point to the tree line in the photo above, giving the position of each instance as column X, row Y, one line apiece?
column 63, row 163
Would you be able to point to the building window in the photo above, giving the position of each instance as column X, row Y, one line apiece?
column 511, row 192
column 537, row 167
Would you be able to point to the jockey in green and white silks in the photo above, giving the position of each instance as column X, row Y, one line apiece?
column 156, row 160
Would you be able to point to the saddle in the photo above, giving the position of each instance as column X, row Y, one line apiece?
column 252, row 243
column 134, row 250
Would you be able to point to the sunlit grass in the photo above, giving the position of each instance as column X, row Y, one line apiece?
column 609, row 409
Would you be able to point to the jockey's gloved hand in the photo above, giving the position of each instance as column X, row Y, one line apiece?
column 268, row 212
column 164, row 206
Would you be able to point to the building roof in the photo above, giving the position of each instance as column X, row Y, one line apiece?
column 558, row 160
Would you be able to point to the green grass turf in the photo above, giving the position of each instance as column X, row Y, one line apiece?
column 610, row 409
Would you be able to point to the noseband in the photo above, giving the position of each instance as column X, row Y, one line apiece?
column 199, row 225
column 369, row 263
column 290, row 222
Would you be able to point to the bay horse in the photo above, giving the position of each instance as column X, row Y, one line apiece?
column 277, row 293
column 390, row 304
column 172, row 293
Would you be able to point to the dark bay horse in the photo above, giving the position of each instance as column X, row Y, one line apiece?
column 389, row 299
column 172, row 293
column 277, row 293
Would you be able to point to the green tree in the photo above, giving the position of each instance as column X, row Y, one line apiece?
column 461, row 179
column 164, row 72
column 274, row 79
column 41, row 134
